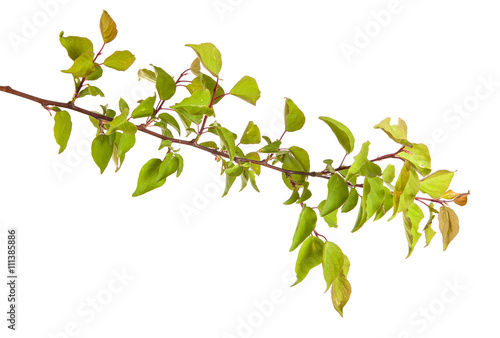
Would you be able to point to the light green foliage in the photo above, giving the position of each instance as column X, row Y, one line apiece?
column 397, row 132
column 306, row 224
column 209, row 56
column 294, row 117
column 361, row 185
column 246, row 89
column 343, row 134
column 107, row 27
column 120, row 60
column 436, row 184
column 251, row 135
column 62, row 129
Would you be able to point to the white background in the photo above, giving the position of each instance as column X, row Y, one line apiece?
column 201, row 275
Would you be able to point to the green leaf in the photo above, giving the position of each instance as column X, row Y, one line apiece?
column 361, row 218
column 102, row 150
column 145, row 108
column 209, row 56
column 448, row 225
column 181, row 164
column 389, row 173
column 296, row 159
column 147, row 74
column 120, row 60
column 352, row 201
column 388, row 204
column 341, row 292
column 331, row 218
column 310, row 256
column 374, row 193
column 398, row 132
column 209, row 144
column 62, row 129
column 126, row 142
column 229, row 182
column 294, row 117
column 254, row 156
column 165, row 84
column 107, row 27
column 203, row 82
column 306, row 194
column 169, row 119
column 435, row 185
column 169, row 166
column 338, row 192
column 247, row 90
column 120, row 123
column 122, row 104
column 95, row 75
column 227, row 141
column 418, row 156
column 91, row 90
column 429, row 232
column 407, row 187
column 82, row 66
column 362, row 166
column 293, row 198
column 75, row 45
column 333, row 263
column 251, row 135
column 305, row 225
column 197, row 104
column 234, row 170
column 412, row 218
column 196, row 67
column 147, row 180
column 252, row 180
column 343, row 134
column 271, row 148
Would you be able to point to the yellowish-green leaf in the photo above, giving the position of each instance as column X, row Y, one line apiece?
column 145, row 108
column 418, row 156
column 247, row 90
column 397, row 132
column 209, row 56
column 75, row 45
column 341, row 292
column 305, row 226
column 294, row 117
column 251, row 135
column 107, row 27
column 412, row 218
column 343, row 134
column 407, row 187
column 62, row 129
column 436, row 184
column 120, row 60
column 338, row 192
column 362, row 166
column 82, row 66
column 310, row 256
column 147, row 177
column 333, row 263
column 448, row 224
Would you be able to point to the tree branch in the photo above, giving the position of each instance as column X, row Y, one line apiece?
column 192, row 143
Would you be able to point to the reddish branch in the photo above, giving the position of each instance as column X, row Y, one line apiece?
column 192, row 143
